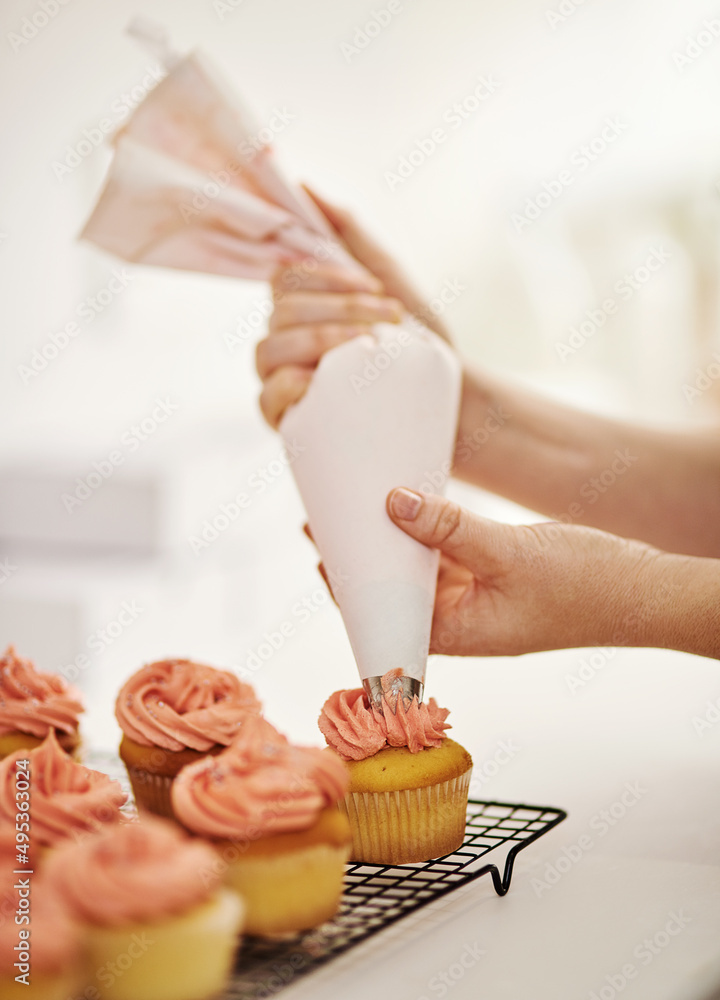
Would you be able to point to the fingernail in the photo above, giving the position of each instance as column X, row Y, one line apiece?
column 405, row 504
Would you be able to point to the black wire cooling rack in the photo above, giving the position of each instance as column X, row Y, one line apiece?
column 376, row 896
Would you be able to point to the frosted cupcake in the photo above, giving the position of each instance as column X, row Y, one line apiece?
column 270, row 810
column 52, row 966
column 408, row 782
column 32, row 704
column 67, row 800
column 158, row 924
column 172, row 713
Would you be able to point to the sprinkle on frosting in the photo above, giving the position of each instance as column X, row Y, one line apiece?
column 35, row 702
column 55, row 938
column 259, row 785
column 175, row 704
column 140, row 872
column 356, row 730
column 66, row 799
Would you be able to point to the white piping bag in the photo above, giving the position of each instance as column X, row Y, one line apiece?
column 381, row 411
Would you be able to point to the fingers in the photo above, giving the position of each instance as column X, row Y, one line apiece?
column 360, row 243
column 303, row 327
column 473, row 541
column 303, row 345
column 323, row 573
column 333, row 307
column 326, row 277
column 320, row 566
column 380, row 263
column 283, row 388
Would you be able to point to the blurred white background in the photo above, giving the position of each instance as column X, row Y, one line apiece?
column 357, row 112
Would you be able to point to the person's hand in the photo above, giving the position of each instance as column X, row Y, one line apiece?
column 330, row 307
column 505, row 590
column 378, row 262
column 319, row 308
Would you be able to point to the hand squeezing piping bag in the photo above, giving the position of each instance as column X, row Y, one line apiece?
column 381, row 411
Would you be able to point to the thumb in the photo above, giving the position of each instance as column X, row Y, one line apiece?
column 444, row 525
column 359, row 242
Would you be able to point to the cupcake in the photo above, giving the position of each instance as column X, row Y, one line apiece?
column 270, row 810
column 157, row 925
column 408, row 782
column 32, row 704
column 67, row 800
column 41, row 957
column 173, row 713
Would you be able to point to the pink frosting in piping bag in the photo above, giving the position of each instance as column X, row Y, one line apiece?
column 67, row 799
column 176, row 704
column 356, row 730
column 35, row 702
column 260, row 785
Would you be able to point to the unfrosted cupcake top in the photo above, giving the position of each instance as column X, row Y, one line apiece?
column 175, row 704
column 139, row 872
column 356, row 730
column 54, row 936
column 35, row 702
column 66, row 799
column 259, row 785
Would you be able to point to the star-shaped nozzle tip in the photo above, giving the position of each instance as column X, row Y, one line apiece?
column 399, row 686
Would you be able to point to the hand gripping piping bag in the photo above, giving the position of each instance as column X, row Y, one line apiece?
column 192, row 186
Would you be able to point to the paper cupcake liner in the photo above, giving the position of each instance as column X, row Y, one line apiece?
column 409, row 825
column 152, row 791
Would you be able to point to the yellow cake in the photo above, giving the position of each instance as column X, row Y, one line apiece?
column 406, row 807
column 290, row 881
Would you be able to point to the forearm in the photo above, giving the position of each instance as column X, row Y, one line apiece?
column 576, row 467
column 676, row 606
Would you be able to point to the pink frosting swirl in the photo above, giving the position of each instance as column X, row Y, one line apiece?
column 140, row 872
column 355, row 730
column 54, row 936
column 260, row 785
column 66, row 798
column 35, row 702
column 177, row 704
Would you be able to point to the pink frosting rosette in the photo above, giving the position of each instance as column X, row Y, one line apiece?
column 175, row 704
column 140, row 872
column 259, row 785
column 356, row 730
column 35, row 702
column 67, row 799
